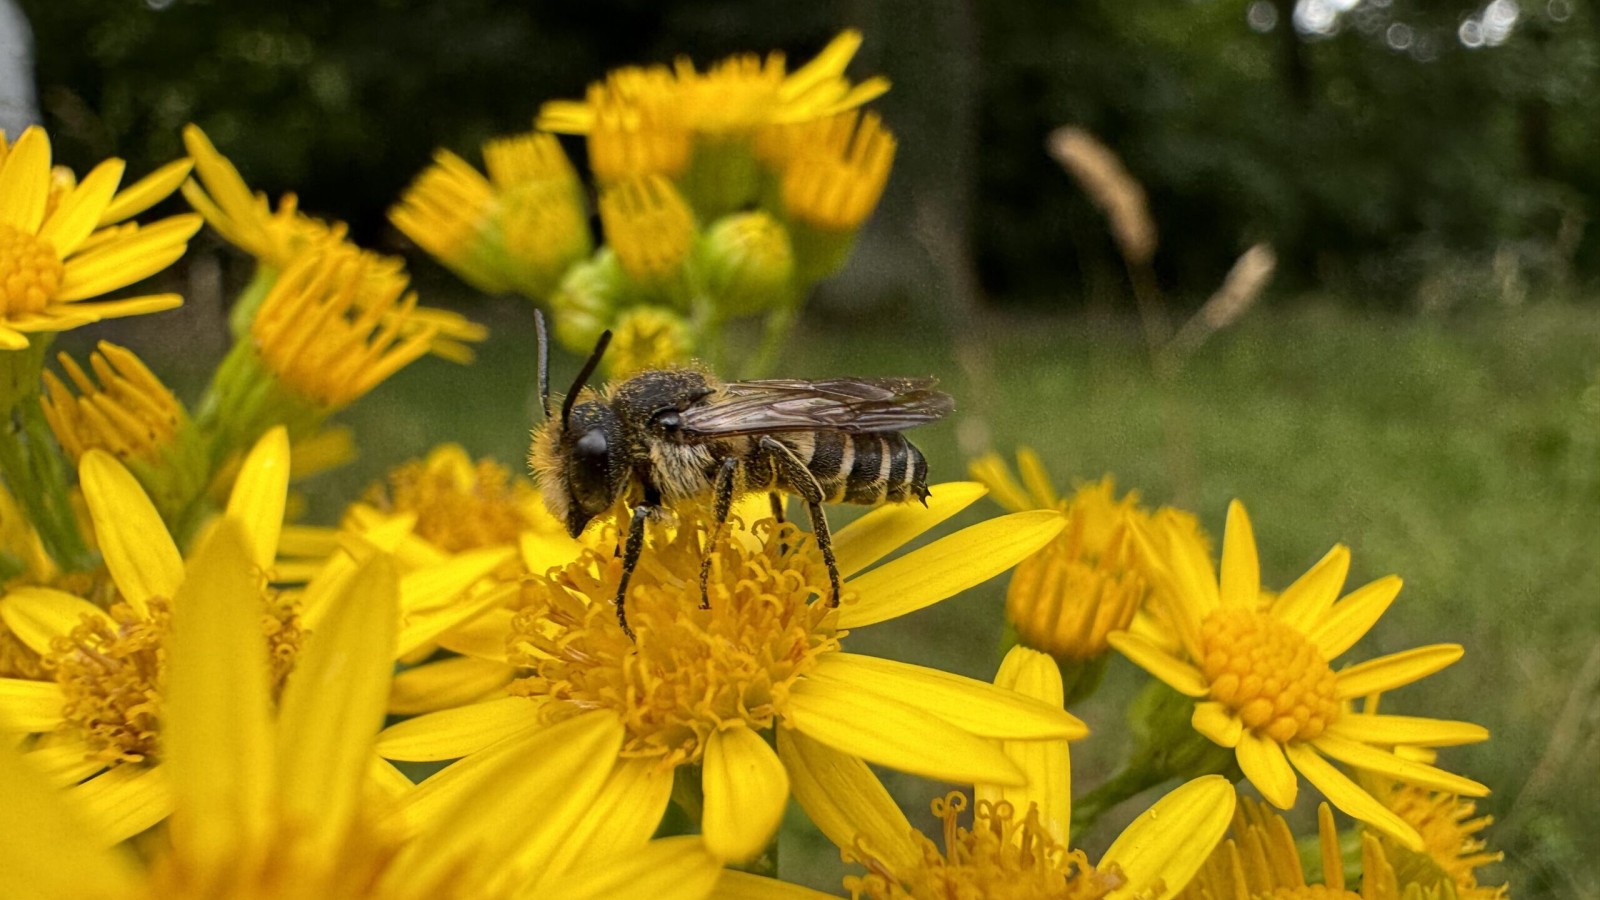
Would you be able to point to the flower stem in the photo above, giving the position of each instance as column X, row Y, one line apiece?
column 31, row 464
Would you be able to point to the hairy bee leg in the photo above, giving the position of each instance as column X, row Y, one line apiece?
column 630, row 558
column 777, row 515
column 724, row 504
column 805, row 484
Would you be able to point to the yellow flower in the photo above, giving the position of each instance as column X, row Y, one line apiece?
column 1091, row 580
column 1018, row 846
column 52, row 261
column 102, row 716
column 519, row 229
column 648, row 337
column 1262, row 859
column 650, row 227
column 1264, row 685
column 1453, row 849
column 334, row 324
column 647, row 120
column 278, row 239
column 291, row 804
column 834, row 169
column 703, row 685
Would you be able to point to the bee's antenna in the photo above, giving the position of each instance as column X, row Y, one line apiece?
column 583, row 375
column 544, row 362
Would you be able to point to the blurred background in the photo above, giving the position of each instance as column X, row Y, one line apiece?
column 1420, row 379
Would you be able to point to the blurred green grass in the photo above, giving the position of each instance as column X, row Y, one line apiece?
column 1462, row 453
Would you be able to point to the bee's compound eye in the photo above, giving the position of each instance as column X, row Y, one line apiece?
column 592, row 444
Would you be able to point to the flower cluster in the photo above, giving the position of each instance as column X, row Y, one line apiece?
column 203, row 695
column 722, row 194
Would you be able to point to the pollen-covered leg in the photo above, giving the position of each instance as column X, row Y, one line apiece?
column 630, row 559
column 724, row 502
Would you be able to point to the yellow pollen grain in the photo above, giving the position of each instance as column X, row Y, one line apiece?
column 1003, row 856
column 692, row 670
column 30, row 272
column 1271, row 675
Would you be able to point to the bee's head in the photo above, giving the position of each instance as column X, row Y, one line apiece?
column 582, row 464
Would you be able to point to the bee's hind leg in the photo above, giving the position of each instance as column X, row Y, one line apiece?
column 795, row 474
column 723, row 504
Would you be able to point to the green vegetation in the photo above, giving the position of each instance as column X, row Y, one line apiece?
column 1461, row 453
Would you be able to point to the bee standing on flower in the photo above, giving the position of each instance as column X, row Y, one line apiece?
column 666, row 436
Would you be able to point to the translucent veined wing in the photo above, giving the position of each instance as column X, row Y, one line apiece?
column 837, row 404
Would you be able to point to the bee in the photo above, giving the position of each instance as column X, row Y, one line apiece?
column 666, row 437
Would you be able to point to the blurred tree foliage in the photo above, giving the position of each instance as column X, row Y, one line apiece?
column 1363, row 138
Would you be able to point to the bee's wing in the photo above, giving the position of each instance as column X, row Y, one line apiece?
column 838, row 404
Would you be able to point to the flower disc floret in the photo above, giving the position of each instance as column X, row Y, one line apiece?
column 30, row 272
column 1270, row 674
column 109, row 671
column 693, row 671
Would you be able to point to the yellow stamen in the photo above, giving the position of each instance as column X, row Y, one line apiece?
column 30, row 272
column 692, row 670
column 1002, row 856
column 335, row 323
column 131, row 414
column 1454, row 848
column 459, row 505
column 1271, row 675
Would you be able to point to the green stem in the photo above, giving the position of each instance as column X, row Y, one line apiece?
column 776, row 330
column 1134, row 778
column 33, row 469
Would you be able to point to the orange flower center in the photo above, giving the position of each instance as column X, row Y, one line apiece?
column 1271, row 675
column 691, row 670
column 30, row 272
column 1001, row 857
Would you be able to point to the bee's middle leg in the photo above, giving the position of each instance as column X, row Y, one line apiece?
column 726, row 476
column 797, row 476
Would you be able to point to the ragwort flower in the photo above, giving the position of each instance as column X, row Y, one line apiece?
column 62, row 246
column 289, row 803
column 1017, row 846
column 702, row 685
column 1264, row 685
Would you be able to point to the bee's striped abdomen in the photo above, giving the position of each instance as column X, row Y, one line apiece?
column 865, row 469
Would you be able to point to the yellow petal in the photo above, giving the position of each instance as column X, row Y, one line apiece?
column 65, row 763
column 11, row 339
column 948, row 566
column 845, row 800
column 454, row 733
column 889, row 527
column 745, row 790
column 1036, row 477
column 422, row 627
column 125, row 259
column 1409, row 730
column 621, row 819
column 1395, row 670
column 483, row 637
column 1302, row 604
column 47, row 850
column 79, row 211
column 1351, row 618
column 1241, row 569
column 1174, row 595
column 1169, row 842
column 146, row 192
column 971, row 705
column 1350, row 797
column 1363, row 756
column 124, row 801
column 674, row 868
column 39, row 615
column 25, row 181
column 992, row 471
column 1197, row 581
column 143, row 560
column 1179, row 675
column 895, row 735
column 1217, row 722
column 1262, row 760
column 736, row 885
column 333, row 705
column 29, row 706
column 217, row 733
column 543, row 552
column 446, row 684
column 1046, row 764
column 258, row 495
column 468, row 805
column 125, row 306
column 438, row 586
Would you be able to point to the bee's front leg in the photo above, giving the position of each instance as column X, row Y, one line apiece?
column 630, row 559
column 727, row 474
